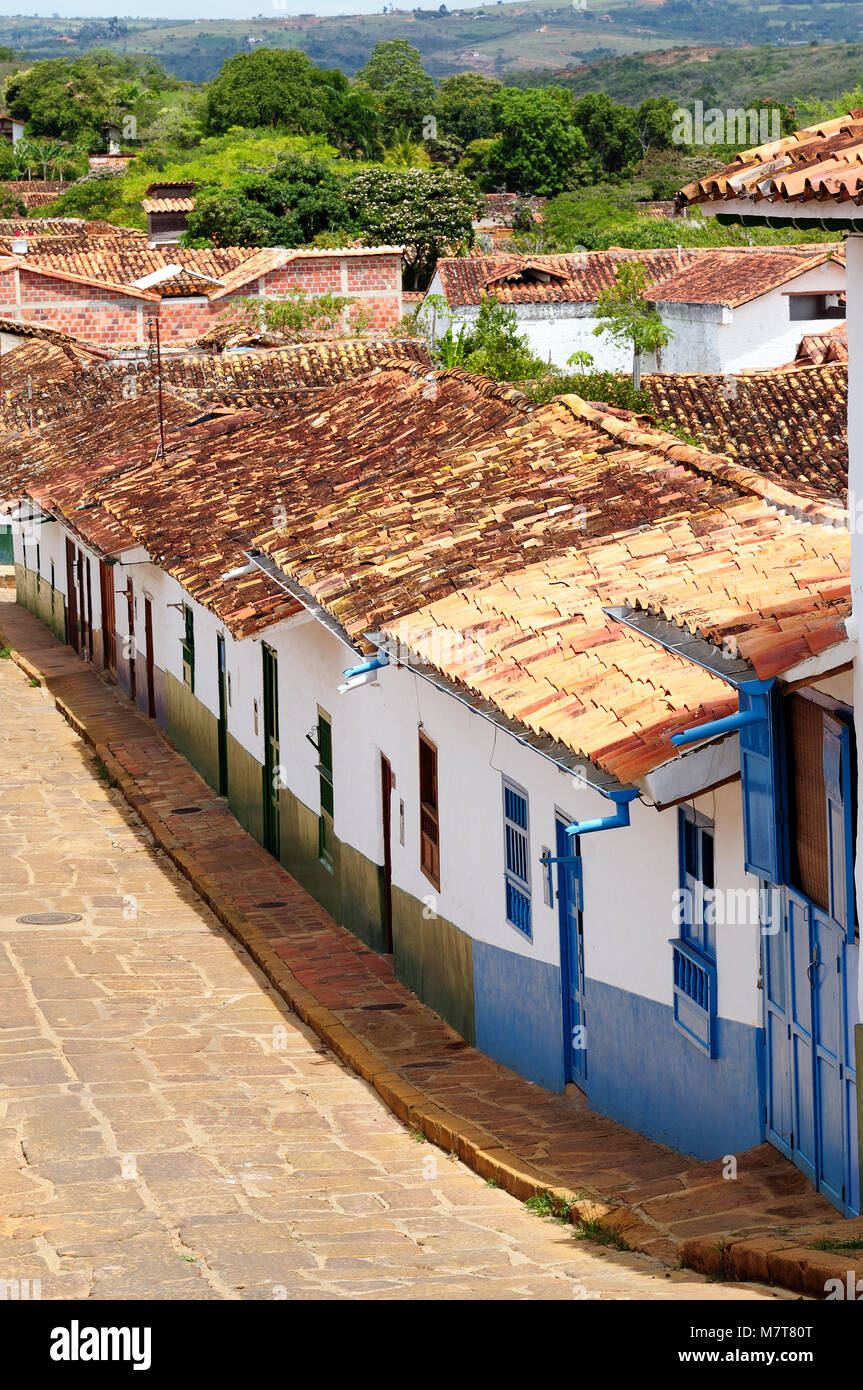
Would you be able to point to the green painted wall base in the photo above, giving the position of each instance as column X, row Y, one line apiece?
column 434, row 958
column 245, row 789
column 351, row 888
column 45, row 603
column 193, row 729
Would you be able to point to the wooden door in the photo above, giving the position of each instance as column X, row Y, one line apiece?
column 223, row 714
column 109, row 621
column 386, row 807
column 272, row 766
column 148, row 635
column 72, row 636
column 130, row 628
column 571, row 954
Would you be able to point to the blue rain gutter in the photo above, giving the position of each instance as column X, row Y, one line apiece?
column 615, row 822
column 374, row 663
column 731, row 722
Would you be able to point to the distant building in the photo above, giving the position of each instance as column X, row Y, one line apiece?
column 167, row 206
column 10, row 130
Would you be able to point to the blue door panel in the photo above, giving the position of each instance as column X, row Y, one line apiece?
column 569, row 901
column 800, row 1019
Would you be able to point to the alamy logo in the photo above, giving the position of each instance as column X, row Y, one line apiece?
column 77, row 1343
column 754, row 125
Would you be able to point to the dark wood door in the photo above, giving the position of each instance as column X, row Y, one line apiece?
column 223, row 715
column 130, row 640
column 386, row 805
column 148, row 634
column 109, row 621
column 272, row 766
column 71, row 598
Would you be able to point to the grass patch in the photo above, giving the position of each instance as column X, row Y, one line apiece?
column 836, row 1247
column 418, row 1136
column 592, row 1229
column 5, row 653
column 546, row 1205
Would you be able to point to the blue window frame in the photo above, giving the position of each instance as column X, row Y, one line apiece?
column 694, row 953
column 516, row 832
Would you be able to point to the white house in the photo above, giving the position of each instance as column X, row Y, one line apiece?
column 434, row 644
column 727, row 308
column 808, row 180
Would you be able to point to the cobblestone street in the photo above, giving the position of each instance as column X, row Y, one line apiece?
column 169, row 1130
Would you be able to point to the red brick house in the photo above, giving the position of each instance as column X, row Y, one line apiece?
column 106, row 290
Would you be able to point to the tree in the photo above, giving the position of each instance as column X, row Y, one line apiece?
column 288, row 205
column 493, row 347
column 404, row 91
column 539, row 149
column 428, row 211
column 60, row 99
column 628, row 319
column 270, row 87
column 467, row 107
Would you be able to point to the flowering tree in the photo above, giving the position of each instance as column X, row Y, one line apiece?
column 429, row 211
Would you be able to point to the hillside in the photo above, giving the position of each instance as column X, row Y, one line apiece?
column 724, row 77
column 498, row 38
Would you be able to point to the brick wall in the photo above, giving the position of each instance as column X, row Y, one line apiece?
column 108, row 318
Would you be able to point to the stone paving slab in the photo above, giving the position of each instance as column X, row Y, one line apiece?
column 514, row 1134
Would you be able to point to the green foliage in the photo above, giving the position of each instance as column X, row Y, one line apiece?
column 71, row 99
column 297, row 317
column 609, row 388
column 546, row 1205
column 467, row 107
column 99, row 194
column 539, row 149
column 428, row 211
column 11, row 205
column 610, row 214
column 493, row 346
column 404, row 92
column 270, row 87
column 67, row 101
column 289, row 205
column 625, row 315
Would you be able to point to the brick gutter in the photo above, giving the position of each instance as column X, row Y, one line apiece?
column 764, row 1259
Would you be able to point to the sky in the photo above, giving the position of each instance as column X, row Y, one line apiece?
column 208, row 9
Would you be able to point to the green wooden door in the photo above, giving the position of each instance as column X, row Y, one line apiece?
column 223, row 716
column 272, row 768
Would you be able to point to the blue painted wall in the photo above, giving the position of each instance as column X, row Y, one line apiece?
column 644, row 1073
column 517, row 1005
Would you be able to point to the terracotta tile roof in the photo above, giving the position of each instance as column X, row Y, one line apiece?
column 703, row 275
column 61, row 229
column 817, row 348
column 35, row 193
column 735, row 276
column 252, row 377
column 822, row 162
column 789, row 425
column 151, row 205
column 572, row 279
column 412, row 498
column 26, row 328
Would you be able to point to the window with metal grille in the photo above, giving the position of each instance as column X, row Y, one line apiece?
column 189, row 647
column 517, row 858
column 429, row 822
column 694, row 954
column 325, row 776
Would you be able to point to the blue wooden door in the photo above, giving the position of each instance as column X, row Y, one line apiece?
column 810, row 974
column 829, row 1011
column 800, row 1019
column 777, row 1025
column 569, row 906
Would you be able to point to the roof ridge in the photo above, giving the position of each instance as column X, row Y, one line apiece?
column 719, row 467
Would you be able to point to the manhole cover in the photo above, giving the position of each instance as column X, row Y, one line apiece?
column 184, row 810
column 271, row 904
column 48, row 919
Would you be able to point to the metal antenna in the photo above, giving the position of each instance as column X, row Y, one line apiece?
column 153, row 334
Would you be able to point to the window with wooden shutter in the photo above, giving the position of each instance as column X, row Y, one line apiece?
column 429, row 824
